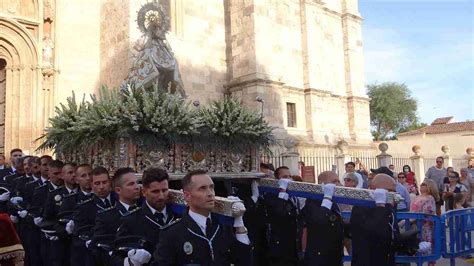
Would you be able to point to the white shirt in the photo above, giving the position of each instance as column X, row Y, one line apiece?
column 70, row 190
column 165, row 216
column 44, row 180
column 125, row 205
column 85, row 193
column 201, row 222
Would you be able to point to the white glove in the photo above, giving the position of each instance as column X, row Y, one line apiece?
column 328, row 190
column 88, row 243
column 379, row 195
column 139, row 256
column 283, row 183
column 4, row 196
column 14, row 219
column 239, row 208
column 255, row 192
column 37, row 220
column 16, row 200
column 424, row 247
column 70, row 227
column 22, row 213
column 52, row 238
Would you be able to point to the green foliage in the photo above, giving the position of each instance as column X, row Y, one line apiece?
column 153, row 119
column 60, row 136
column 229, row 124
column 392, row 108
column 414, row 126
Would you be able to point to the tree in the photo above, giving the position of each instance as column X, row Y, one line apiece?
column 392, row 108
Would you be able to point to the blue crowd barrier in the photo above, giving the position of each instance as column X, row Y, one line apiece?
column 458, row 238
column 418, row 219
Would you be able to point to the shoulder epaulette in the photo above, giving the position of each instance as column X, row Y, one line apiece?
column 133, row 211
column 19, row 177
column 70, row 195
column 85, row 201
column 41, row 186
column 106, row 210
column 30, row 182
column 166, row 226
column 56, row 189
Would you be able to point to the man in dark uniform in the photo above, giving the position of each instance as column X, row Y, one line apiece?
column 79, row 255
column 14, row 154
column 375, row 234
column 126, row 187
column 19, row 172
column 198, row 238
column 40, row 199
column 102, row 199
column 153, row 216
column 35, row 196
column 282, row 225
column 55, row 246
column 324, row 226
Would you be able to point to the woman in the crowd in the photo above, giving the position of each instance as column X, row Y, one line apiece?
column 468, row 183
column 452, row 188
column 448, row 170
column 402, row 179
column 410, row 176
column 426, row 203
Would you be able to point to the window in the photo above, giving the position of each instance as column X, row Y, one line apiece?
column 291, row 114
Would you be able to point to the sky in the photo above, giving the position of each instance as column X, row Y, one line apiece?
column 428, row 45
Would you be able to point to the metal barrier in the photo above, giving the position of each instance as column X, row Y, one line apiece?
column 458, row 240
column 417, row 219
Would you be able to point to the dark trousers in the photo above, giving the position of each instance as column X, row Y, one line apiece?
column 59, row 253
column 80, row 255
column 33, row 255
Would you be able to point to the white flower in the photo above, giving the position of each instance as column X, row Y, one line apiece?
column 214, row 130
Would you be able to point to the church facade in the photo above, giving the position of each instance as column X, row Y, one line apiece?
column 302, row 58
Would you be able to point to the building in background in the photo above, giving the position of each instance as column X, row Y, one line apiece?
column 303, row 58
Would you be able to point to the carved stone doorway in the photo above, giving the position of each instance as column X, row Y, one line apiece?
column 3, row 78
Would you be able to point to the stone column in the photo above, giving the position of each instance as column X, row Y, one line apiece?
column 448, row 159
column 418, row 167
column 291, row 156
column 342, row 158
column 384, row 159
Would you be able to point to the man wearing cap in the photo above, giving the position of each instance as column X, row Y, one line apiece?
column 375, row 233
column 198, row 238
column 154, row 216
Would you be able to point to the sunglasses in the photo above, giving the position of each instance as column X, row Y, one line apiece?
column 402, row 176
column 439, row 161
column 348, row 179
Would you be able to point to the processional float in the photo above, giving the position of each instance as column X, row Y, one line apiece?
column 148, row 122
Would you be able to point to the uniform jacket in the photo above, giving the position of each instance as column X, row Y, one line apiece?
column 184, row 243
column 325, row 234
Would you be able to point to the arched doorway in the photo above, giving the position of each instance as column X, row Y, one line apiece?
column 22, row 98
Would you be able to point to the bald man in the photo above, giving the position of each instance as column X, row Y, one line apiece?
column 375, row 234
column 324, row 226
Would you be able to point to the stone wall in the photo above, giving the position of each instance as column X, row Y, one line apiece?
column 77, row 48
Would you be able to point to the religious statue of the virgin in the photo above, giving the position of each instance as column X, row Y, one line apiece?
column 155, row 64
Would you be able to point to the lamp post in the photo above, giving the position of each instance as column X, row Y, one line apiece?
column 258, row 159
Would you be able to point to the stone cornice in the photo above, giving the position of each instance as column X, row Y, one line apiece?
column 321, row 5
column 237, row 85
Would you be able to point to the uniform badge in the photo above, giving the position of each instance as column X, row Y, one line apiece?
column 188, row 248
column 57, row 197
column 332, row 218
